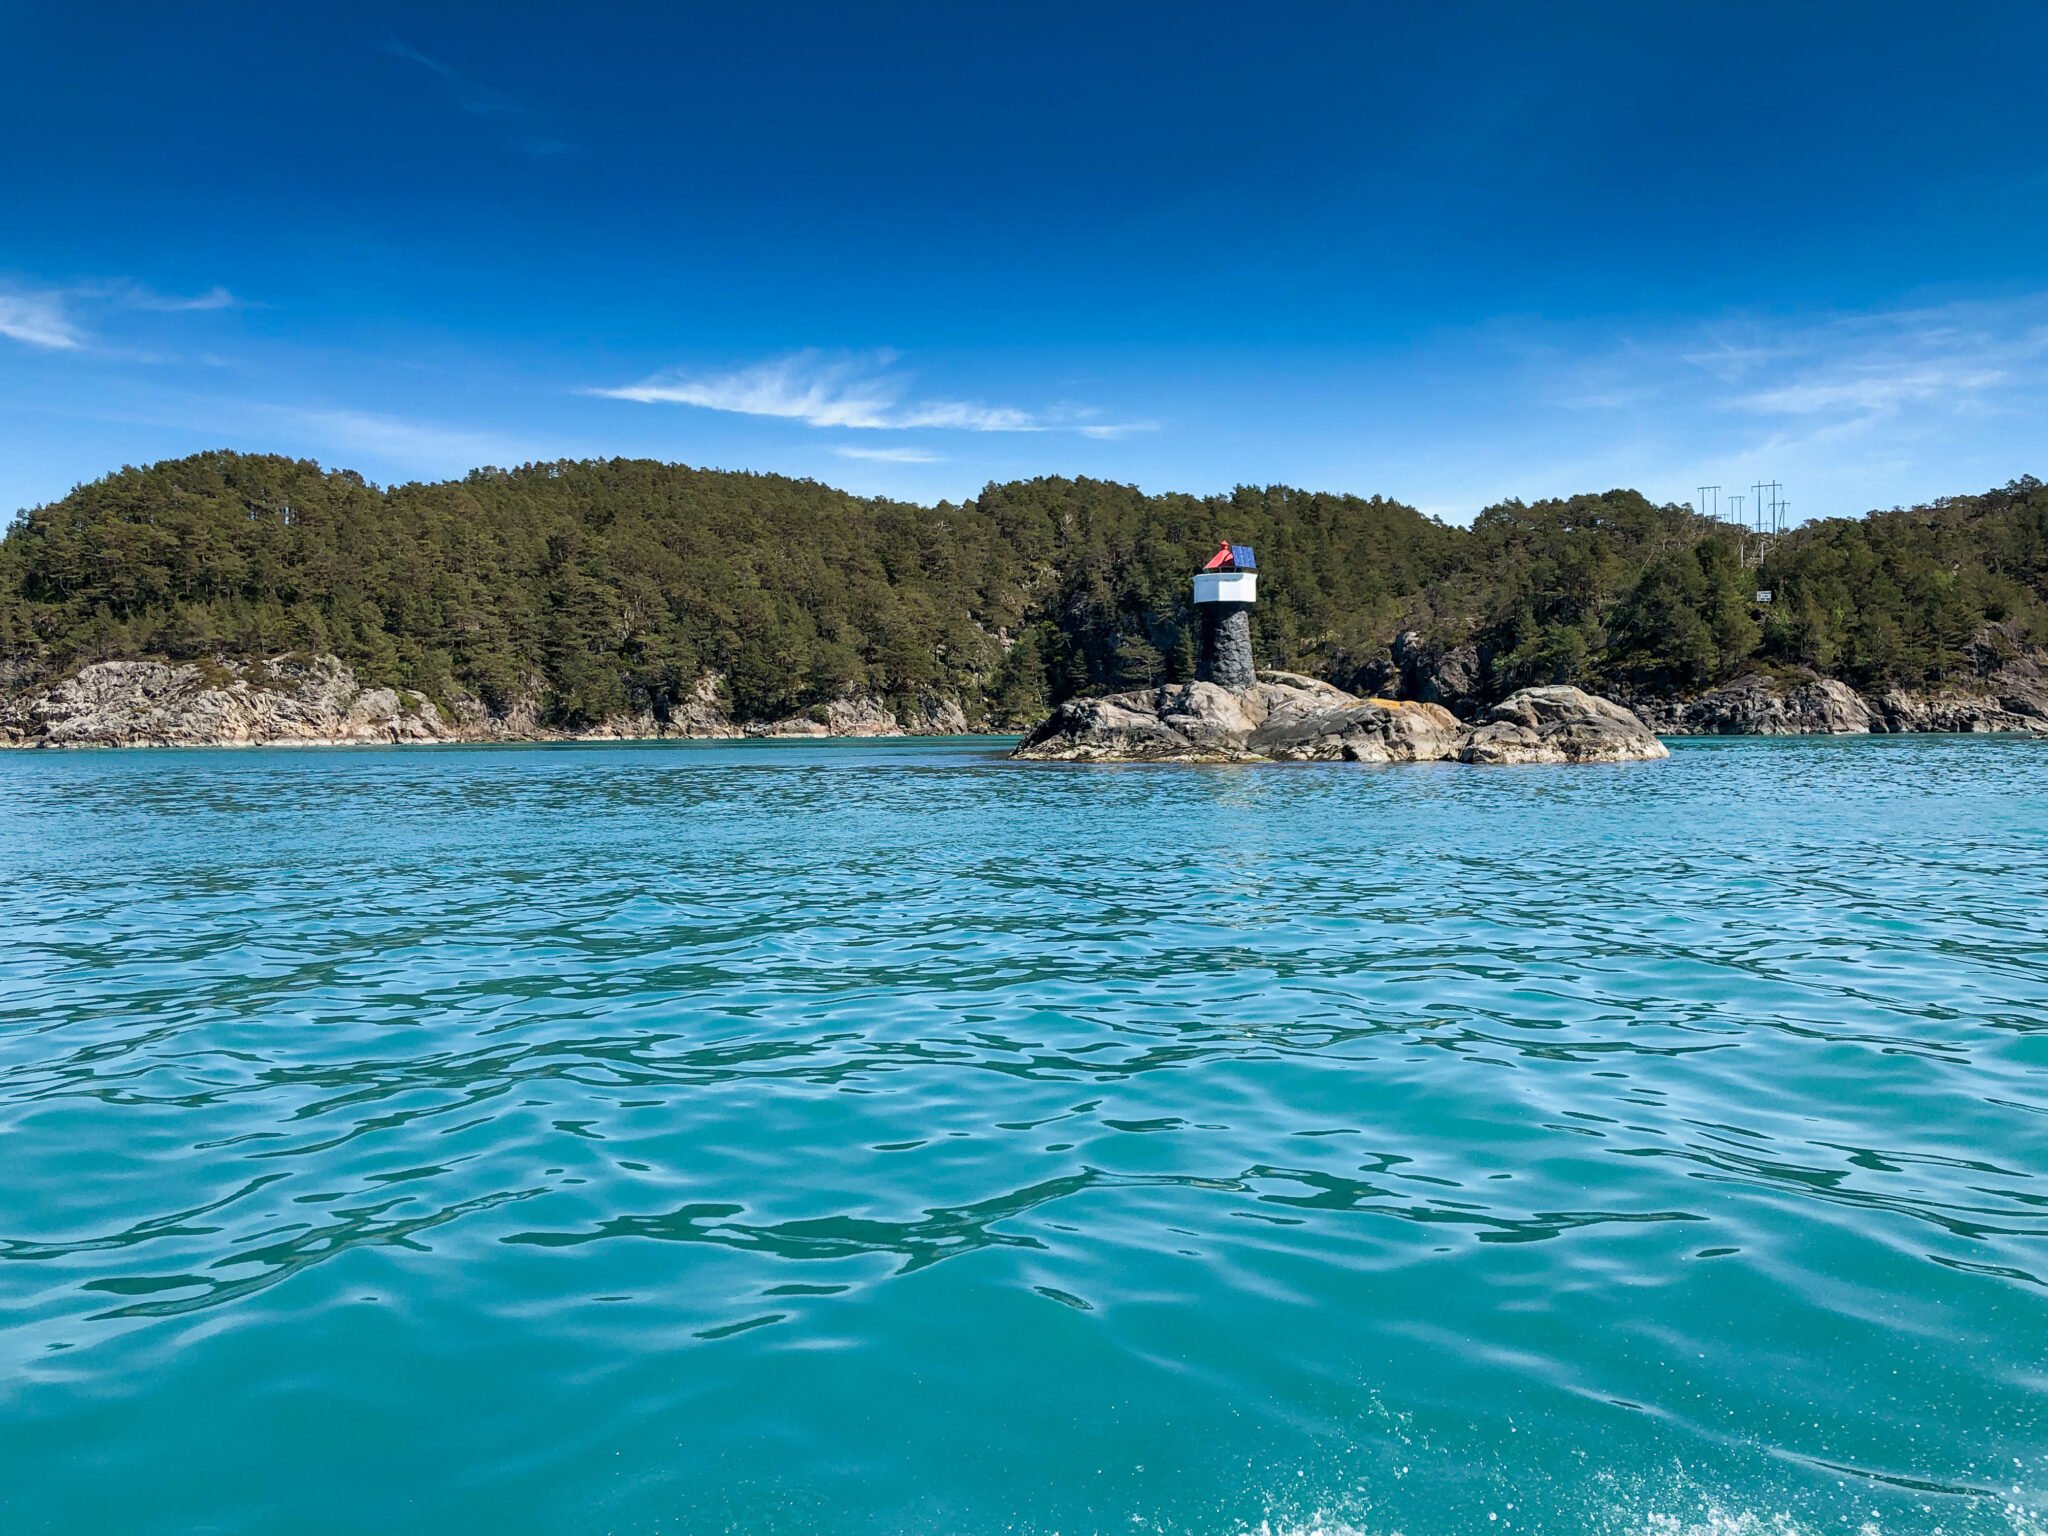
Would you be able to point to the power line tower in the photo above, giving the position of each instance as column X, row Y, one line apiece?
column 1767, row 521
column 1758, row 517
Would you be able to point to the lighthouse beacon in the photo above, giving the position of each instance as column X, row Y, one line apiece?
column 1225, row 590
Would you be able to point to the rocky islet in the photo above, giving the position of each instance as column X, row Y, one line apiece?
column 1285, row 717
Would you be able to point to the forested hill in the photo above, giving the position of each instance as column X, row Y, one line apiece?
column 616, row 585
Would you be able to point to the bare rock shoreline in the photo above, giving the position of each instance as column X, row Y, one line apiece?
column 303, row 700
column 1761, row 706
column 318, row 701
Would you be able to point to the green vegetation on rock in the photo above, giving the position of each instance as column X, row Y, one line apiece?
column 610, row 586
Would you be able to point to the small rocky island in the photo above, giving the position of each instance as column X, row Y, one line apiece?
column 1284, row 717
column 1233, row 713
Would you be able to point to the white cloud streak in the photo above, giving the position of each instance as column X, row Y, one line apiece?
column 39, row 319
column 805, row 387
column 849, row 392
column 1860, row 409
column 1922, row 364
column 890, row 455
column 46, row 318
column 409, row 443
column 1956, row 358
column 138, row 297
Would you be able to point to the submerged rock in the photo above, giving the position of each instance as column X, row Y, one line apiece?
column 1286, row 717
column 1559, row 725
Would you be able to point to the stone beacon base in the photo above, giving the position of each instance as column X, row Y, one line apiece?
column 1225, row 654
column 1285, row 717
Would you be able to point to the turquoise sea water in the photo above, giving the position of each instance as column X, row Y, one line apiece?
column 882, row 1137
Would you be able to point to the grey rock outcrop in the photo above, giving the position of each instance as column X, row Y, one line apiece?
column 1378, row 678
column 173, row 704
column 1762, row 706
column 858, row 714
column 1285, row 717
column 1419, row 670
column 1559, row 725
column 1976, row 714
column 2015, row 675
column 2011, row 695
column 300, row 700
column 1447, row 676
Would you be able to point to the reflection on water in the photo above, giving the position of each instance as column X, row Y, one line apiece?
column 884, row 1137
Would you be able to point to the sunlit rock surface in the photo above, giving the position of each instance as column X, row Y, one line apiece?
column 1285, row 717
column 1559, row 725
column 303, row 700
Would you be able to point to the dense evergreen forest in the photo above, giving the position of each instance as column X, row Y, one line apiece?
column 615, row 585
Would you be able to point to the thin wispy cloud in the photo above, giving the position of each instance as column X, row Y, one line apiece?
column 821, row 391
column 126, row 293
column 1957, row 357
column 49, row 317
column 864, row 392
column 1873, row 390
column 480, row 101
column 890, row 455
column 411, row 443
column 38, row 318
column 401, row 50
column 215, row 297
column 1923, row 363
column 1859, row 409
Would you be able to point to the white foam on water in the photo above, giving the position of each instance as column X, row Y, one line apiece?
column 1704, row 1514
column 1700, row 1515
column 1714, row 1519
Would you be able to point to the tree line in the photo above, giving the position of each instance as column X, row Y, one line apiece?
column 597, row 587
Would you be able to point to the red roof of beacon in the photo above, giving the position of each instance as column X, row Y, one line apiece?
column 1232, row 557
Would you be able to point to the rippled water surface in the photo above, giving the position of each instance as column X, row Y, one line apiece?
column 882, row 1137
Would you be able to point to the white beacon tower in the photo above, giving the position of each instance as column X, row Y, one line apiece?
column 1225, row 590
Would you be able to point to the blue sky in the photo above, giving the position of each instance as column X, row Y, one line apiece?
column 1445, row 253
